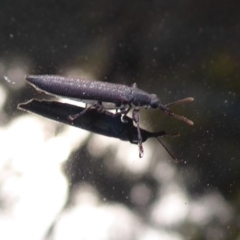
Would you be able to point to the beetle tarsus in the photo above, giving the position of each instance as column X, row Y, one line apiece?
column 124, row 119
column 124, row 113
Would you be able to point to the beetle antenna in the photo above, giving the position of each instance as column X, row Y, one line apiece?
column 181, row 101
column 172, row 114
column 181, row 118
column 168, row 151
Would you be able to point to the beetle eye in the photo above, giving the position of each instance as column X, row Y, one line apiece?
column 154, row 101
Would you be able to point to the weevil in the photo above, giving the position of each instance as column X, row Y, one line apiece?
column 104, row 123
column 104, row 95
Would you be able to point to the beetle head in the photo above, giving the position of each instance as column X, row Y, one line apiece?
column 155, row 102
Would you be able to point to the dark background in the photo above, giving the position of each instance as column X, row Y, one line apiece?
column 175, row 49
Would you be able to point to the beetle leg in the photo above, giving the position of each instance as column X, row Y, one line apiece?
column 136, row 119
column 124, row 113
column 96, row 105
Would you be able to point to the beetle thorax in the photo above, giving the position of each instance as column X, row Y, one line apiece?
column 143, row 99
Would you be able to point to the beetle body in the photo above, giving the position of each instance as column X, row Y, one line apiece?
column 115, row 95
column 104, row 95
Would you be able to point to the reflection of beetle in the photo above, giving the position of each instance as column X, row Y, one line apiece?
column 104, row 123
column 104, row 95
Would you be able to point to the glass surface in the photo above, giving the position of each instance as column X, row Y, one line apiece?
column 61, row 182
